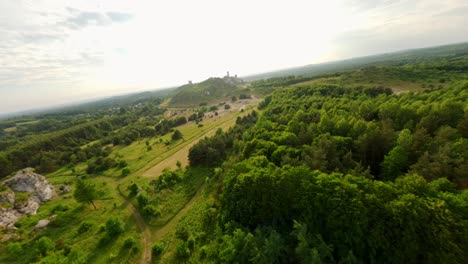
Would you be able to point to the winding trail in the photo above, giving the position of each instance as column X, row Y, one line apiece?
column 146, row 235
column 140, row 222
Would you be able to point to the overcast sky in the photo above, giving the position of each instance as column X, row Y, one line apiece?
column 55, row 52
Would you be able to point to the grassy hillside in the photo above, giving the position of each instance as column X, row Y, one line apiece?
column 206, row 91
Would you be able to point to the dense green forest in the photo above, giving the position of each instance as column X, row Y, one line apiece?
column 334, row 174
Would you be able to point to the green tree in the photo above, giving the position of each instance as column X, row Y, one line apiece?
column 86, row 192
column 394, row 163
column 176, row 135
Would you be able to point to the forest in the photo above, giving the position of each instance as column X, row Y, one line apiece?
column 331, row 174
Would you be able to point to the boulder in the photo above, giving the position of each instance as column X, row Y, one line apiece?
column 8, row 218
column 52, row 217
column 42, row 224
column 65, row 188
column 27, row 181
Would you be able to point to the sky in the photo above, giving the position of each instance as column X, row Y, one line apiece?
column 55, row 52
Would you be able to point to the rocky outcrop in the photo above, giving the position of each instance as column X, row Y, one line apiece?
column 31, row 190
column 7, row 196
column 28, row 181
column 29, row 207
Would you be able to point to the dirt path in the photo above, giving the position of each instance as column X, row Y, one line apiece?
column 146, row 236
column 182, row 154
column 140, row 222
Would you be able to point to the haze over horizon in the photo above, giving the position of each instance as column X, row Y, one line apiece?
column 54, row 52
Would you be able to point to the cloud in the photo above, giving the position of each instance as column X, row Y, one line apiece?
column 78, row 19
column 458, row 11
column 119, row 16
column 365, row 5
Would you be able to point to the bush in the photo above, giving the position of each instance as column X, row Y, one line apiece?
column 213, row 108
column 182, row 232
column 15, row 248
column 60, row 208
column 114, row 226
column 176, row 135
column 182, row 250
column 151, row 210
column 133, row 189
column 122, row 164
column 125, row 172
column 43, row 245
column 129, row 242
column 168, row 179
column 142, row 199
column 157, row 249
column 191, row 243
column 84, row 227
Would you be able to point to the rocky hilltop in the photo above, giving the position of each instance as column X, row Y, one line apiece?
column 22, row 195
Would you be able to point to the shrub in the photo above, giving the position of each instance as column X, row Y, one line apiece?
column 129, row 242
column 114, row 226
column 125, row 172
column 122, row 164
column 157, row 249
column 15, row 248
column 142, row 199
column 60, row 208
column 182, row 251
column 182, row 232
column 176, row 135
column 133, row 189
column 151, row 210
column 191, row 243
column 43, row 245
column 84, row 227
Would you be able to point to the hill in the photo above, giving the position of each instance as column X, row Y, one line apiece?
column 208, row 90
column 448, row 53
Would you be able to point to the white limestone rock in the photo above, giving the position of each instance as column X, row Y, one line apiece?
column 42, row 224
